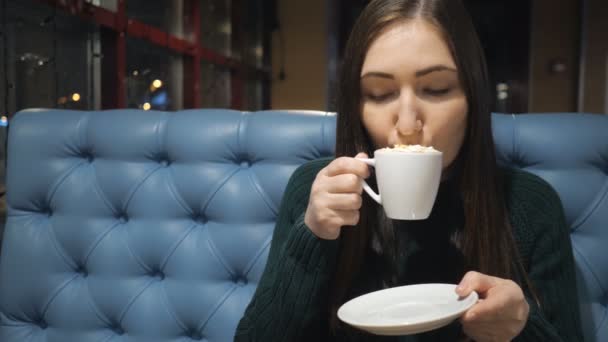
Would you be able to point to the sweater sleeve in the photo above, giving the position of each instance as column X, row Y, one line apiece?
column 542, row 227
column 288, row 300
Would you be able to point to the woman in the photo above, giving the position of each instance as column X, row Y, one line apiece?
column 414, row 73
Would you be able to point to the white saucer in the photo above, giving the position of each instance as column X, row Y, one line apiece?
column 406, row 310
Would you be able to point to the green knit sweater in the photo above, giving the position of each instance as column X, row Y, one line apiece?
column 290, row 301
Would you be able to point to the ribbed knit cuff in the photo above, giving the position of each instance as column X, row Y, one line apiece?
column 308, row 250
column 537, row 328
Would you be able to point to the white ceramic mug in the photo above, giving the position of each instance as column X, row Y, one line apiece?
column 407, row 182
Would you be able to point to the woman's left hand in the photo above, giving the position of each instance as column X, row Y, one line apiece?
column 500, row 314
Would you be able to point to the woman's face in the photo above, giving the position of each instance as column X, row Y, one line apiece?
column 411, row 92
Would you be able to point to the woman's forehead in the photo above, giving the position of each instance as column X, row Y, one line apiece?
column 413, row 44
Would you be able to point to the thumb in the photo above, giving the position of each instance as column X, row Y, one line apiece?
column 361, row 155
column 475, row 281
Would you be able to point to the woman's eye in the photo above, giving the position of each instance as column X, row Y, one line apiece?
column 379, row 98
column 437, row 92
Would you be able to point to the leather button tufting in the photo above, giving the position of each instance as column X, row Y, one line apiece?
column 195, row 335
column 42, row 324
column 165, row 163
column 240, row 281
column 202, row 219
column 82, row 271
column 158, row 275
column 123, row 218
column 88, row 157
column 245, row 164
column 118, row 330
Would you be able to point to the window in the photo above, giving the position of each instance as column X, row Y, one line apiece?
column 102, row 54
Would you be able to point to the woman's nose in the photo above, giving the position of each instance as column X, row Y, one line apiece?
column 408, row 118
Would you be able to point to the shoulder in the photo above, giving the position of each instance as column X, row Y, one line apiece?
column 535, row 210
column 524, row 190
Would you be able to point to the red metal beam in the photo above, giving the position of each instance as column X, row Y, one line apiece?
column 158, row 37
column 114, row 50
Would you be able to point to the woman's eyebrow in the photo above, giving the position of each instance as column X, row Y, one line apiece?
column 434, row 68
column 419, row 73
column 377, row 74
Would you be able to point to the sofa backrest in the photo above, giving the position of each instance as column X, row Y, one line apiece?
column 570, row 152
column 144, row 226
column 153, row 226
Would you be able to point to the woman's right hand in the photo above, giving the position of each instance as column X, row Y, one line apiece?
column 335, row 197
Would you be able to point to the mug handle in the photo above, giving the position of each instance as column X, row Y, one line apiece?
column 371, row 162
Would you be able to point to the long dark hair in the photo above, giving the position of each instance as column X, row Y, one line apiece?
column 488, row 245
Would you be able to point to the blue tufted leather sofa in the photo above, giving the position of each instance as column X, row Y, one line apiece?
column 151, row 226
